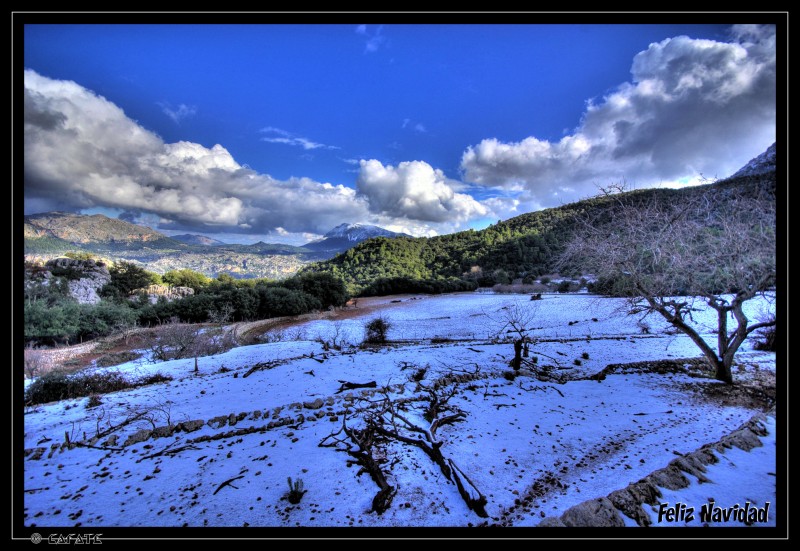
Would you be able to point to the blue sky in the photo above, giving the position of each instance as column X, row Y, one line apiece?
column 281, row 132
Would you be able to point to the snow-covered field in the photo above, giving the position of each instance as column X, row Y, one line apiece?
column 532, row 448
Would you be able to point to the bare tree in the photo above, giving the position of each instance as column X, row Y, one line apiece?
column 716, row 246
column 516, row 319
column 175, row 340
column 222, row 315
column 34, row 362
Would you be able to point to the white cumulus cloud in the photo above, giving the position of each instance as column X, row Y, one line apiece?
column 415, row 190
column 693, row 107
column 82, row 151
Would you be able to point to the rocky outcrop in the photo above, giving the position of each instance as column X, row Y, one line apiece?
column 759, row 165
column 85, row 290
column 154, row 292
column 85, row 277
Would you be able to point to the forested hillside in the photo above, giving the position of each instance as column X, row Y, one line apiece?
column 526, row 246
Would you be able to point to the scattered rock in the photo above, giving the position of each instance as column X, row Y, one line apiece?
column 190, row 426
column 629, row 500
column 692, row 465
column 316, row 404
column 218, row 422
column 163, row 432
column 139, row 436
column 35, row 454
column 670, row 477
column 744, row 438
column 596, row 513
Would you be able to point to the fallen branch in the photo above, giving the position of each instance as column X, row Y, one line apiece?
column 82, row 445
column 655, row 412
column 228, row 483
column 259, row 366
column 127, row 421
column 537, row 387
column 498, row 406
column 351, row 386
column 477, row 504
column 170, row 451
column 433, row 450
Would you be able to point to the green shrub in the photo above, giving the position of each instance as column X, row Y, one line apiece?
column 186, row 278
column 153, row 379
column 57, row 385
column 126, row 277
column 50, row 387
column 94, row 401
column 377, row 330
column 406, row 285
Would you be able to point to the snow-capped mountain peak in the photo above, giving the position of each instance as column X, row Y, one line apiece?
column 358, row 232
column 345, row 236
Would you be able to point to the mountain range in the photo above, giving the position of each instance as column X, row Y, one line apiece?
column 195, row 239
column 51, row 234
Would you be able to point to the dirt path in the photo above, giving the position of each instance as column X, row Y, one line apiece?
column 78, row 357
column 248, row 331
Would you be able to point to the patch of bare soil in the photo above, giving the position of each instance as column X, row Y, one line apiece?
column 758, row 392
column 111, row 351
column 117, row 349
column 364, row 306
column 695, row 367
column 755, row 391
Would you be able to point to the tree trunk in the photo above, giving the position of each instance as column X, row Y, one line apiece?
column 721, row 365
column 517, row 363
column 722, row 372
